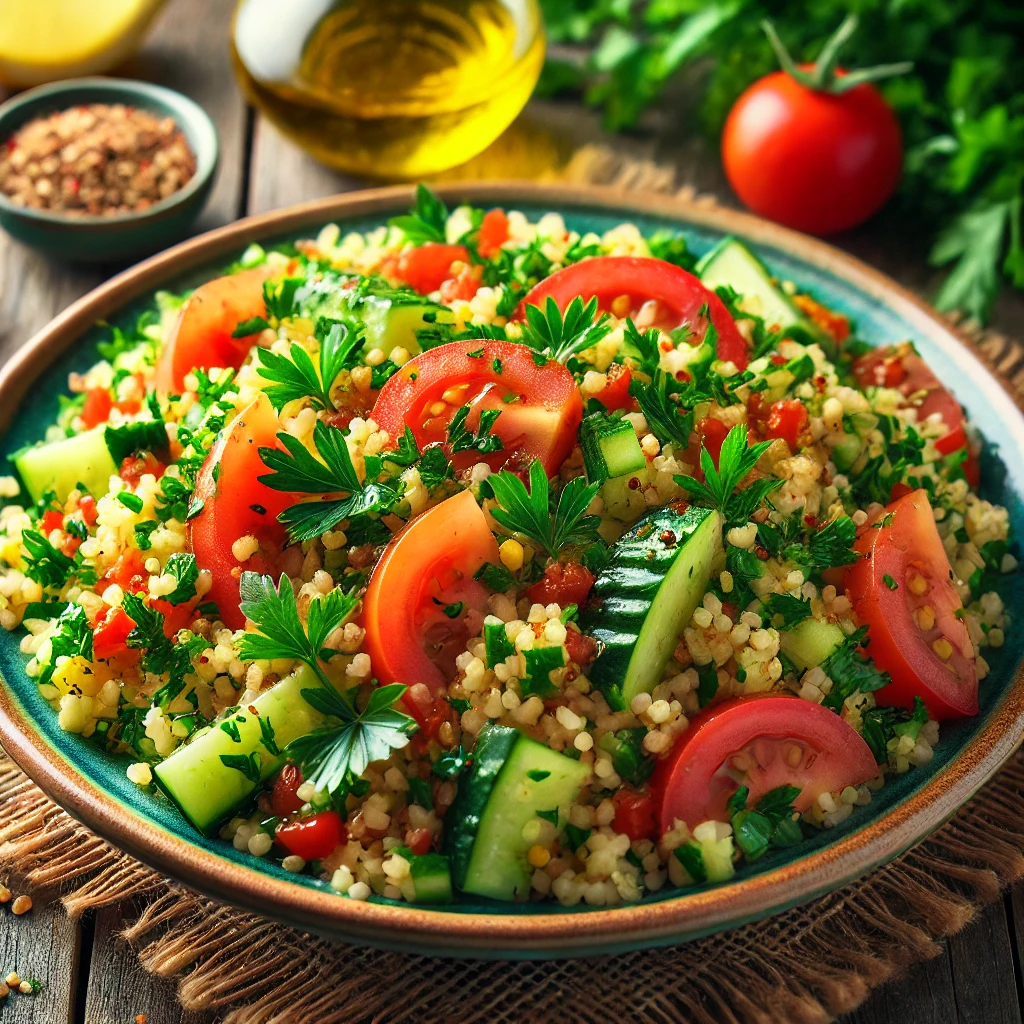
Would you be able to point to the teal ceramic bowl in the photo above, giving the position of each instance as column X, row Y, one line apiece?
column 93, row 786
column 91, row 239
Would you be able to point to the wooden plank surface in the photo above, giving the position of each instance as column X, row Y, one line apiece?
column 42, row 945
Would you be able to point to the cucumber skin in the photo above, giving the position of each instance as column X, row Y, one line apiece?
column 206, row 790
column 495, row 802
column 431, row 878
column 625, row 593
column 61, row 465
column 493, row 746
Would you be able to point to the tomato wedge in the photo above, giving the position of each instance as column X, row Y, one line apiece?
column 201, row 336
column 236, row 504
column 539, row 406
column 760, row 742
column 677, row 297
column 903, row 590
column 900, row 367
column 420, row 593
column 313, row 838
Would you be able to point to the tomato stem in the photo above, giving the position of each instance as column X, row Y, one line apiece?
column 823, row 76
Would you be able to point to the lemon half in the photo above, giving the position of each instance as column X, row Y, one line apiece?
column 42, row 40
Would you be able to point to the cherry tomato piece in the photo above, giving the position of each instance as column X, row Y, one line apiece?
column 582, row 649
column 428, row 266
column 563, row 584
column 635, row 815
column 656, row 293
column 135, row 467
column 463, row 286
column 903, row 589
column 283, row 795
column 493, row 234
column 312, row 838
column 52, row 520
column 422, row 603
column 235, row 505
column 201, row 337
column 96, row 409
column 712, row 433
column 615, row 394
column 419, row 840
column 760, row 742
column 812, row 160
column 539, row 407
column 110, row 634
column 788, row 419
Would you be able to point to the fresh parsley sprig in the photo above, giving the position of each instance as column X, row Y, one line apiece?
column 851, row 671
column 667, row 420
column 483, row 441
column 294, row 376
column 297, row 469
column 719, row 489
column 426, row 221
column 529, row 512
column 333, row 757
column 560, row 335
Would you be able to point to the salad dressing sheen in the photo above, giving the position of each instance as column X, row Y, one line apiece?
column 391, row 88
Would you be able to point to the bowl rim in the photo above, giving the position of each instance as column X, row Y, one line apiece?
column 690, row 915
column 193, row 122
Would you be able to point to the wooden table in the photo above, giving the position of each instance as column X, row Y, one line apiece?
column 87, row 976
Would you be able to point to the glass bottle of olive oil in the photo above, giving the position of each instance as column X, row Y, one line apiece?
column 389, row 88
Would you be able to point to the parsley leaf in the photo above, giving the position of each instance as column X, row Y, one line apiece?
column 664, row 416
column 183, row 568
column 643, row 346
column 426, row 221
column 719, row 487
column 72, row 639
column 333, row 758
column 561, row 335
column 528, row 512
column 789, row 609
column 483, row 441
column 831, row 545
column 851, row 672
column 131, row 438
column 44, row 563
column 296, row 377
column 297, row 469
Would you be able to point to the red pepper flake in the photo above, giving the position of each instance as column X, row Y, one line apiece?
column 634, row 483
column 778, row 360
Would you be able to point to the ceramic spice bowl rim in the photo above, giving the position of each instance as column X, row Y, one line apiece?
column 192, row 121
column 689, row 915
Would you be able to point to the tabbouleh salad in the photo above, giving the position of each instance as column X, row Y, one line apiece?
column 471, row 554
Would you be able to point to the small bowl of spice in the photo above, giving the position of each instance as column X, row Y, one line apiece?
column 98, row 170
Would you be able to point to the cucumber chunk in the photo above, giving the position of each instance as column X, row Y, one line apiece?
column 732, row 263
column 431, row 878
column 657, row 576
column 610, row 448
column 846, row 451
column 205, row 788
column 62, row 465
column 810, row 642
column 511, row 780
column 391, row 325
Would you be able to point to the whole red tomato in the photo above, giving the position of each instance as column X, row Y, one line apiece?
column 804, row 149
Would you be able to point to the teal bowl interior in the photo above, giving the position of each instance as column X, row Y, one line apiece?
column 1003, row 482
column 93, row 239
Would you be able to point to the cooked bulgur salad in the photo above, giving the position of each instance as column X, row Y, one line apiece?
column 471, row 554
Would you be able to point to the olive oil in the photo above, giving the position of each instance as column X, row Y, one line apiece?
column 389, row 88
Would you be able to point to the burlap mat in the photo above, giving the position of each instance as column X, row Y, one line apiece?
column 806, row 966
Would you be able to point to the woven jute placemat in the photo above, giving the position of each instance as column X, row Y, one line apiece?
column 806, row 966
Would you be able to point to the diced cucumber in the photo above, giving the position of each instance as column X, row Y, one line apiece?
column 610, row 448
column 623, row 496
column 864, row 422
column 431, row 878
column 732, row 263
column 511, row 780
column 206, row 789
column 392, row 324
column 62, row 465
column 810, row 642
column 846, row 451
column 718, row 854
column 656, row 578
